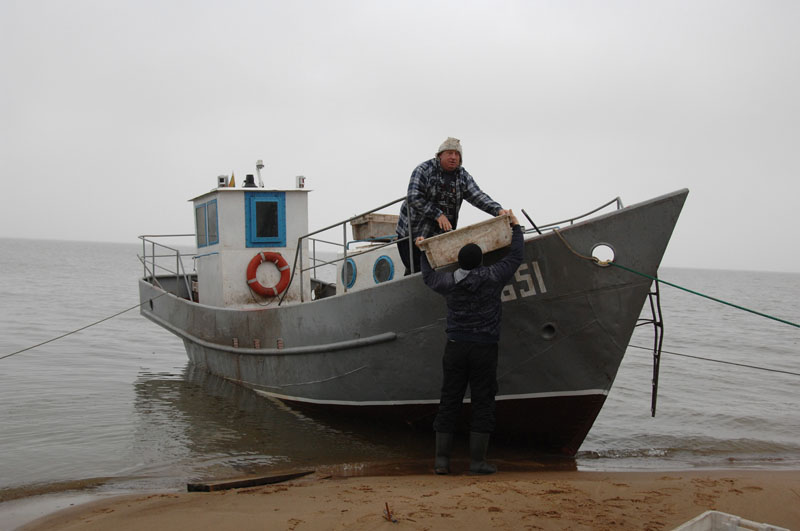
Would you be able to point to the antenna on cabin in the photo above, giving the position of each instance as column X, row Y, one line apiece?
column 259, row 165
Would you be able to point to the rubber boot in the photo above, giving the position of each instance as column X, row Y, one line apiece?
column 444, row 445
column 478, row 444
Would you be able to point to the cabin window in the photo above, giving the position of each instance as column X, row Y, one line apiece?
column 265, row 217
column 383, row 270
column 349, row 273
column 213, row 222
column 206, row 224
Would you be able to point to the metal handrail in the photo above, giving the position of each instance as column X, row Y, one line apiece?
column 298, row 257
column 180, row 270
column 571, row 221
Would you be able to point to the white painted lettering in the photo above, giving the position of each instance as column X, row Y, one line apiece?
column 524, row 285
column 528, row 289
column 508, row 293
column 538, row 273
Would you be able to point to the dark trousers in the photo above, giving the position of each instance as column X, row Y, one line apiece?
column 474, row 364
column 402, row 248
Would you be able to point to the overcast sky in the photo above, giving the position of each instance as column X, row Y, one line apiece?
column 114, row 113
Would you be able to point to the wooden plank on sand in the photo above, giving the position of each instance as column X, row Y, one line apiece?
column 245, row 482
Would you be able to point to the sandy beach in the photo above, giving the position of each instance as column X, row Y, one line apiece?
column 506, row 500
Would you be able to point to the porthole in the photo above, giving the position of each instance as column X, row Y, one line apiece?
column 349, row 273
column 383, row 270
column 603, row 253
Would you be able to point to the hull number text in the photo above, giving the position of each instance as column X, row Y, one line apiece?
column 526, row 280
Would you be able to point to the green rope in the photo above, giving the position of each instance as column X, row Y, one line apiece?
column 606, row 263
column 707, row 296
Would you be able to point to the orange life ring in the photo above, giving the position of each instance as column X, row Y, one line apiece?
column 282, row 266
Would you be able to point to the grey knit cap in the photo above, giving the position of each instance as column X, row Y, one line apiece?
column 451, row 144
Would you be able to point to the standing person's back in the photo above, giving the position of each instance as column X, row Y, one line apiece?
column 474, row 312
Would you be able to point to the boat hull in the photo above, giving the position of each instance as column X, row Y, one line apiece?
column 376, row 353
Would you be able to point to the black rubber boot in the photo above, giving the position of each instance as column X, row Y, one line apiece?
column 444, row 445
column 478, row 444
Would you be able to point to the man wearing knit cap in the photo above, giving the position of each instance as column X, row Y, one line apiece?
column 435, row 192
column 474, row 311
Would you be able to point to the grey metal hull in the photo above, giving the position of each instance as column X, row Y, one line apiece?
column 376, row 353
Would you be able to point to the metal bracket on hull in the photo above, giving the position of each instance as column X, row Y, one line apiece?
column 658, row 332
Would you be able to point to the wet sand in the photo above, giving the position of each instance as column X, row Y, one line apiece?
column 507, row 500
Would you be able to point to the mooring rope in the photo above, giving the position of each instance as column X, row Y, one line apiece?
column 601, row 263
column 104, row 319
column 606, row 263
column 784, row 321
column 719, row 361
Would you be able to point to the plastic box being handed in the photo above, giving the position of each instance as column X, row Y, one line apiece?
column 375, row 227
column 717, row 521
column 489, row 235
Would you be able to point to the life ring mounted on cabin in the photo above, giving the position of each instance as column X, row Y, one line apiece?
column 282, row 266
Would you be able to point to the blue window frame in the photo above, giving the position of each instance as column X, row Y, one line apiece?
column 383, row 269
column 212, row 220
column 207, row 224
column 265, row 219
column 200, row 225
column 349, row 273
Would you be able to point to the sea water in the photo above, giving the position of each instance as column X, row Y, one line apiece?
column 118, row 403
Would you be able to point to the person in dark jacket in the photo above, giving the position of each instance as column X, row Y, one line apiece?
column 474, row 312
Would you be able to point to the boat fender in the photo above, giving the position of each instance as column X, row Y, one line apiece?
column 282, row 266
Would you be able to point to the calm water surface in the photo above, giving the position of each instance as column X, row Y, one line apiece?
column 119, row 399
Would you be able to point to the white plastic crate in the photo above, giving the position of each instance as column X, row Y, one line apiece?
column 717, row 521
column 442, row 249
column 375, row 227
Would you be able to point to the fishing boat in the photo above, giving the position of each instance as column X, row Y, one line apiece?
column 251, row 303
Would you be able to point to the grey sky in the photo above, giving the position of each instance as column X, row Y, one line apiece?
column 114, row 113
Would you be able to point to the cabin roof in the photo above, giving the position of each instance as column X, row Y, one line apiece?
column 228, row 189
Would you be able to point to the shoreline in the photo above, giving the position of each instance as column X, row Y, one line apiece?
column 516, row 499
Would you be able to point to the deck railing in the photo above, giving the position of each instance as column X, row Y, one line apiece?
column 550, row 226
column 155, row 255
column 343, row 246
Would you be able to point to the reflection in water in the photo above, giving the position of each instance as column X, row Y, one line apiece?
column 203, row 425
column 200, row 426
